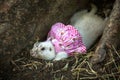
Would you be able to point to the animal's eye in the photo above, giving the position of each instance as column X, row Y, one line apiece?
column 43, row 49
column 50, row 49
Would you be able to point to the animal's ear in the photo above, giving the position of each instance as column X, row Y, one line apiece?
column 36, row 44
column 49, row 39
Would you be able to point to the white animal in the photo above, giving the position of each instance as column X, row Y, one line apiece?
column 88, row 24
column 45, row 50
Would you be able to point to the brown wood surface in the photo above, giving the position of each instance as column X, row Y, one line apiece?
column 111, row 35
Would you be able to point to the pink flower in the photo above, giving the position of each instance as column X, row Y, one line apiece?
column 66, row 38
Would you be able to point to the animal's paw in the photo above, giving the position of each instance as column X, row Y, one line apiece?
column 60, row 56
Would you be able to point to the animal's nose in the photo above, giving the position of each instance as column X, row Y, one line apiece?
column 31, row 53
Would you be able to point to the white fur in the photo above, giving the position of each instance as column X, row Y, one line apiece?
column 89, row 25
column 46, row 54
column 61, row 55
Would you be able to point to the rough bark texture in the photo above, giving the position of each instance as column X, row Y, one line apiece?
column 111, row 35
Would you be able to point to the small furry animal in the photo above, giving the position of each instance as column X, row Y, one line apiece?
column 64, row 40
column 89, row 25
column 43, row 50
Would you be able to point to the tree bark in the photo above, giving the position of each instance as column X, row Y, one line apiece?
column 110, row 37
